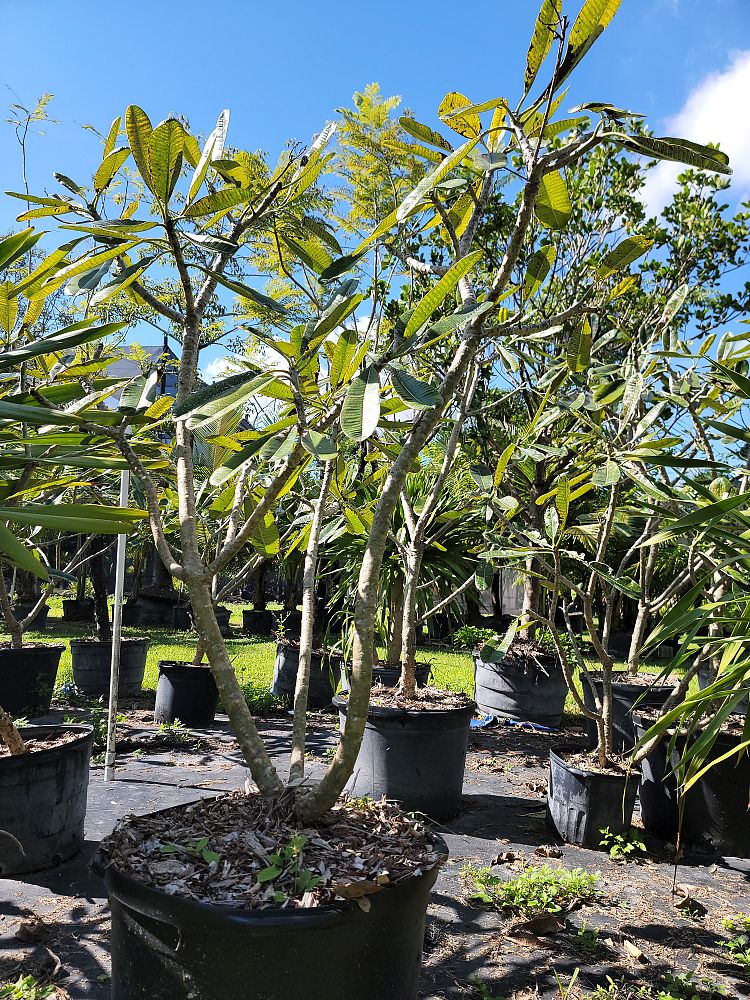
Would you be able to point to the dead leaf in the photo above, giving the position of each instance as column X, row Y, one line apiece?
column 548, row 851
column 33, row 929
column 634, row 952
column 506, row 858
column 363, row 903
column 355, row 890
column 545, row 923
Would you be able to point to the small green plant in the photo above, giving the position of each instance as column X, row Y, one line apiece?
column 259, row 699
column 566, row 988
column 176, row 729
column 673, row 986
column 287, row 862
column 469, row 636
column 534, row 891
column 26, row 988
column 588, row 939
column 739, row 948
column 197, row 848
column 481, row 990
column 737, row 923
column 622, row 846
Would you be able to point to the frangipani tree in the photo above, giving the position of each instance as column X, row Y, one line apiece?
column 206, row 222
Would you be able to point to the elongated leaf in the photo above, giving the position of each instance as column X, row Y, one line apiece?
column 17, row 554
column 622, row 255
column 212, row 243
column 86, row 263
column 8, row 306
column 343, row 354
column 320, row 446
column 265, row 536
column 591, row 22
column 310, row 252
column 165, row 150
column 538, row 268
column 439, row 292
column 424, row 133
column 360, row 412
column 679, row 151
column 72, row 336
column 114, row 131
column 15, row 246
column 109, row 167
column 484, row 575
column 494, row 651
column 414, row 392
column 427, row 185
column 140, row 394
column 553, row 208
column 336, row 313
column 697, row 518
column 547, row 22
column 219, row 201
column 632, row 396
column 213, row 149
column 246, row 291
column 468, row 123
column 123, row 280
column 138, row 130
column 562, row 500
column 502, row 464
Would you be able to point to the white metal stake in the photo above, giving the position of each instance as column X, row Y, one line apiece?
column 114, row 680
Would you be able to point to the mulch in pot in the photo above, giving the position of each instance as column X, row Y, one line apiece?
column 426, row 699
column 223, row 851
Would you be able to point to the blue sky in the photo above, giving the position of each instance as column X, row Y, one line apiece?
column 284, row 69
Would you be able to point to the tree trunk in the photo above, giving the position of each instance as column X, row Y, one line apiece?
column 10, row 735
column 99, row 584
column 11, row 622
column 412, row 565
column 396, row 623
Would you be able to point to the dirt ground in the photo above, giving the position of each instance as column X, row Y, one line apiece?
column 653, row 919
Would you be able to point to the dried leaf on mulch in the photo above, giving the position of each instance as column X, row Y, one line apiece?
column 246, row 851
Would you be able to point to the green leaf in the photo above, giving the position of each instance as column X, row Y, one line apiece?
column 483, row 477
column 468, row 123
column 552, row 207
column 679, row 151
column 310, row 252
column 424, row 133
column 619, row 581
column 675, row 303
column 547, row 22
column 15, row 246
column 265, row 537
column 165, row 149
column 112, row 135
column 17, row 554
column 591, row 22
column 86, row 518
column 622, row 255
column 413, row 391
column 214, row 142
column 227, row 395
column 428, row 183
column 212, row 243
column 126, row 277
column 709, row 512
column 320, row 446
column 85, row 264
column 493, row 651
column 109, row 167
column 219, row 201
column 138, row 130
column 607, row 474
column 562, row 499
column 579, row 348
column 8, row 306
column 631, row 397
column 72, row 336
column 538, row 268
column 140, row 394
column 343, row 354
column 335, row 314
column 484, row 575
column 246, row 291
column 360, row 412
column 502, row 464
column 436, row 295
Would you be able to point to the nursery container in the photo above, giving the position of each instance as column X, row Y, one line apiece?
column 171, row 947
column 626, row 697
column 186, row 692
column 43, row 801
column 325, row 674
column 704, row 680
column 92, row 661
column 38, row 622
column 78, row 610
column 262, row 623
column 415, row 757
column 521, row 689
column 27, row 678
column 581, row 802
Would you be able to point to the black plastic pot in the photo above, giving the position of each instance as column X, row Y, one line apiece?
column 181, row 617
column 92, row 666
column 715, row 817
column 389, row 674
column 27, row 679
column 43, row 801
column 290, row 622
column 626, row 698
column 38, row 622
column 172, row 948
column 415, row 757
column 580, row 803
column 521, row 689
column 261, row 623
column 704, row 679
column 325, row 671
column 78, row 611
column 149, row 611
column 185, row 692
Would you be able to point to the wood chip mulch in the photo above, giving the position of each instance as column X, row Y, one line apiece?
column 246, row 851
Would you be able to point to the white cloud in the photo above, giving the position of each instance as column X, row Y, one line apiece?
column 215, row 369
column 717, row 110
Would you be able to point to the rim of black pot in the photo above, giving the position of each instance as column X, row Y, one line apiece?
column 628, row 774
column 31, row 647
column 597, row 676
column 29, row 732
column 386, row 711
column 182, row 665
column 108, row 642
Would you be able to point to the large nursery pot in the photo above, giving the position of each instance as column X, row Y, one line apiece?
column 626, row 697
column 27, row 678
column 581, row 802
column 78, row 609
column 172, row 948
column 186, row 692
column 389, row 674
column 715, row 817
column 521, row 688
column 38, row 622
column 325, row 669
column 92, row 662
column 416, row 757
column 255, row 622
column 43, row 800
